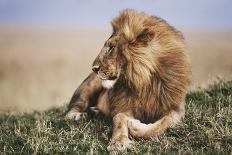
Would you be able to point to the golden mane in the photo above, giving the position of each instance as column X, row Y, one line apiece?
column 156, row 57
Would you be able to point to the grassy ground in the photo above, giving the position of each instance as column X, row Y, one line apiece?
column 207, row 129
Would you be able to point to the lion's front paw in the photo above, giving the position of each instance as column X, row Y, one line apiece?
column 73, row 114
column 120, row 144
column 136, row 128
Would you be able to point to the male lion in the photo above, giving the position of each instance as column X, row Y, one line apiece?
column 140, row 79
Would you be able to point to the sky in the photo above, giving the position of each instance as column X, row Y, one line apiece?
column 208, row 14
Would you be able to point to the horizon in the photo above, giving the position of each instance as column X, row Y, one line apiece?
column 85, row 14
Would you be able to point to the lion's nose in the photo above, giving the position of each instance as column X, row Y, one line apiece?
column 96, row 68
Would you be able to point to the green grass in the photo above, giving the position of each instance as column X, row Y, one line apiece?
column 207, row 129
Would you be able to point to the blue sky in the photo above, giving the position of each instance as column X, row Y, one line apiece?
column 209, row 14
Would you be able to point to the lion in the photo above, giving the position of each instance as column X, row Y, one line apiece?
column 140, row 79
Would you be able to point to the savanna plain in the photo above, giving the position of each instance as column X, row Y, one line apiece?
column 40, row 68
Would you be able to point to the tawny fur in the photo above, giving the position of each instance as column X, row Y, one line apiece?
column 147, row 58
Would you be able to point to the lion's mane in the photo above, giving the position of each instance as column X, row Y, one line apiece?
column 156, row 74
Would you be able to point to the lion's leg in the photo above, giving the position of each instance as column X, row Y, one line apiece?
column 102, row 105
column 138, row 129
column 80, row 101
column 120, row 140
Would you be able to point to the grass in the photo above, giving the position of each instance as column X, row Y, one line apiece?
column 207, row 129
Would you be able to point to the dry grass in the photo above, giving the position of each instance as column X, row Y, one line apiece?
column 207, row 129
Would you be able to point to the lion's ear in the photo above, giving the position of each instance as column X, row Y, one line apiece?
column 145, row 36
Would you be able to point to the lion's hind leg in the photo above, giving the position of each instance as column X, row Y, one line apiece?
column 89, row 90
column 138, row 129
column 75, row 114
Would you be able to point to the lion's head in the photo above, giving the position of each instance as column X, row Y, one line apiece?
column 108, row 63
column 116, row 56
column 132, row 50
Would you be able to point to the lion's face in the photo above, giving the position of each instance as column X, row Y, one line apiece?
column 128, row 52
column 108, row 63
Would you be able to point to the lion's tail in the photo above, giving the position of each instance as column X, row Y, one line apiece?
column 138, row 129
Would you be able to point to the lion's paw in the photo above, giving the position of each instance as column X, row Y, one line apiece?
column 120, row 144
column 73, row 114
column 95, row 110
column 136, row 128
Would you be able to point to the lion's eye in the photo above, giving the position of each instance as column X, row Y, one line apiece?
column 110, row 49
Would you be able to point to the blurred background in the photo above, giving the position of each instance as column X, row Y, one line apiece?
column 47, row 46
